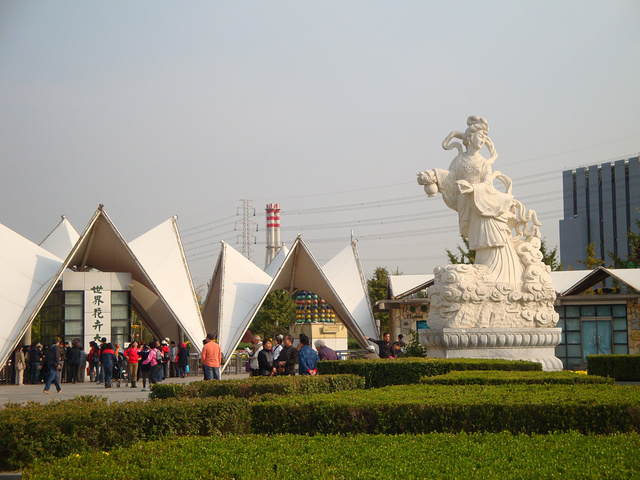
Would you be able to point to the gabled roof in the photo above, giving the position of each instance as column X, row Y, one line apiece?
column 62, row 239
column 238, row 289
column 590, row 278
column 28, row 273
column 401, row 286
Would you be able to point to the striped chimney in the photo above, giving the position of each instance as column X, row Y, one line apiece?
column 273, row 231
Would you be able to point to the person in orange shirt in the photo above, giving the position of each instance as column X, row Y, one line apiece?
column 211, row 358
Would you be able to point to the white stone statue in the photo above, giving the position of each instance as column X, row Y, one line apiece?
column 509, row 285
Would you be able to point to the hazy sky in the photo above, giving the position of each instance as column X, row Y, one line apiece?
column 330, row 108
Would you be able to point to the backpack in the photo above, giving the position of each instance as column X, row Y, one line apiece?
column 158, row 356
column 166, row 357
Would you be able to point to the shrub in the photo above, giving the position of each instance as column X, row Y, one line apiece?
column 383, row 372
column 259, row 386
column 624, row 368
column 62, row 428
column 443, row 456
column 501, row 378
column 470, row 408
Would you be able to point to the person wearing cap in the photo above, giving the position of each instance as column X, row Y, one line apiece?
column 371, row 353
column 211, row 358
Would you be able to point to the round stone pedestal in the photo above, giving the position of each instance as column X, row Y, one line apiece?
column 532, row 344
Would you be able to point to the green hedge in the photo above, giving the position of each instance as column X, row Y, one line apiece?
column 502, row 378
column 415, row 409
column 361, row 457
column 259, row 386
column 62, row 428
column 403, row 371
column 624, row 368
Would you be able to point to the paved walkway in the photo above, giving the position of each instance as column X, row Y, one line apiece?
column 33, row 393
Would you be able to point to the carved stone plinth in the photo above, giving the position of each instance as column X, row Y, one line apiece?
column 532, row 344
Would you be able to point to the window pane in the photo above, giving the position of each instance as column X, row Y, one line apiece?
column 572, row 311
column 619, row 310
column 603, row 310
column 620, row 337
column 560, row 311
column 120, row 323
column 73, row 298
column 621, row 349
column 573, row 325
column 588, row 310
column 561, row 351
column 73, row 313
column 574, row 362
column 573, row 338
column 560, row 324
column 620, row 324
column 119, row 298
column 120, row 311
column 563, row 338
column 73, row 328
column 574, row 350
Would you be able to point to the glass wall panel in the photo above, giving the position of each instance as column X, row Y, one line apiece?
column 73, row 298
column 621, row 349
column 588, row 311
column 619, row 310
column 603, row 310
column 620, row 324
column 573, row 338
column 119, row 298
column 620, row 337
column 574, row 350
column 573, row 325
column 73, row 312
column 72, row 328
column 572, row 311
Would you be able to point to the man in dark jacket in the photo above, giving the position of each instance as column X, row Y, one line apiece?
column 288, row 357
column 35, row 361
column 385, row 346
column 52, row 362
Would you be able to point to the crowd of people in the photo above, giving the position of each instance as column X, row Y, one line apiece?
column 65, row 363
column 155, row 361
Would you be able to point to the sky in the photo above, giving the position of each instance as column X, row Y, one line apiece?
column 330, row 108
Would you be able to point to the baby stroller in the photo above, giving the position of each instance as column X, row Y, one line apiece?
column 120, row 372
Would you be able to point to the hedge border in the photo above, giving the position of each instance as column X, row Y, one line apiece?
column 625, row 368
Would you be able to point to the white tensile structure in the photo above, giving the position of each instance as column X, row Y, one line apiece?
column 238, row 289
column 162, row 292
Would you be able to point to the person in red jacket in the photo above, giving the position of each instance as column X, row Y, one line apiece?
column 132, row 355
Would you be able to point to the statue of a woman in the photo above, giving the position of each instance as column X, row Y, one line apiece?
column 486, row 215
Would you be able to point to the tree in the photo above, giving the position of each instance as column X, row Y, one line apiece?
column 377, row 288
column 275, row 315
column 549, row 257
column 592, row 261
column 466, row 255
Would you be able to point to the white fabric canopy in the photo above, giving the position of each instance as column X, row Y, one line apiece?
column 160, row 253
column 630, row 276
column 62, row 239
column 344, row 273
column 28, row 273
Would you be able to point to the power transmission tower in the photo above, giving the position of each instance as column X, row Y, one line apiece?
column 248, row 239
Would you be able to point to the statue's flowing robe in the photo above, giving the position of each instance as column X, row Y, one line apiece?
column 483, row 216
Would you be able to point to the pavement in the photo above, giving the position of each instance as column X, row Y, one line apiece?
column 34, row 393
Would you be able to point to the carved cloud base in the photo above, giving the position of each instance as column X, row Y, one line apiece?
column 532, row 344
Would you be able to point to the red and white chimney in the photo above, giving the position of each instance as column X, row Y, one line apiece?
column 273, row 231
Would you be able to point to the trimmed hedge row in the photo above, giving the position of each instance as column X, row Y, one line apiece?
column 404, row 371
column 68, row 427
column 259, row 386
column 624, row 368
column 513, row 378
column 444, row 456
column 601, row 409
column 62, row 428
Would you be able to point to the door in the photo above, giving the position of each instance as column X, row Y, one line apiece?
column 596, row 338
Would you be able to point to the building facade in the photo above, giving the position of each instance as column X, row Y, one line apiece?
column 600, row 204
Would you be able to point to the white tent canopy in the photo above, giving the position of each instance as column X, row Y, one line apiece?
column 403, row 285
column 62, row 239
column 238, row 289
column 162, row 291
column 28, row 273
